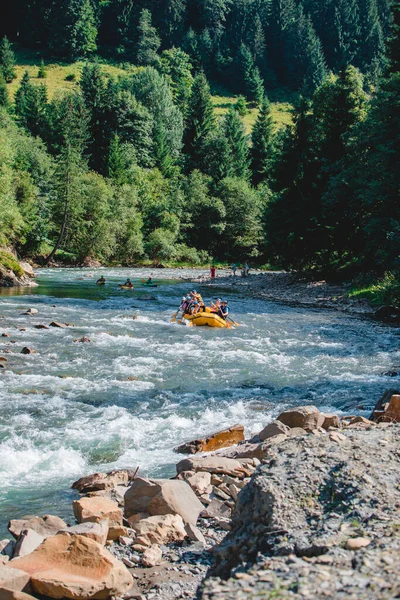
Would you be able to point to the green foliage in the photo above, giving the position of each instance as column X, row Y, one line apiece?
column 7, row 60
column 82, row 32
column 7, row 261
column 176, row 66
column 262, row 147
column 42, row 72
column 200, row 122
column 148, row 41
column 237, row 145
column 241, row 106
column 385, row 291
column 31, row 105
column 4, row 99
column 394, row 42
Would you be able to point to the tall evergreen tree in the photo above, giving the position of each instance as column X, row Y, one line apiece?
column 199, row 123
column 70, row 167
column 148, row 41
column 31, row 105
column 250, row 81
column 394, row 41
column 94, row 92
column 4, row 99
column 7, row 60
column 262, row 148
column 83, row 31
column 238, row 149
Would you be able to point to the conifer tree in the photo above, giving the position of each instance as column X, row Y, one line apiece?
column 31, row 105
column 83, row 32
column 94, row 92
column 238, row 149
column 199, row 123
column 250, row 79
column 4, row 99
column 394, row 42
column 7, row 60
column 42, row 73
column 148, row 41
column 262, row 149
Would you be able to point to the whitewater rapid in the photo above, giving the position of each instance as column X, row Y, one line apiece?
column 142, row 384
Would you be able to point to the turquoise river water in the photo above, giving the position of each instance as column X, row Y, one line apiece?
column 143, row 385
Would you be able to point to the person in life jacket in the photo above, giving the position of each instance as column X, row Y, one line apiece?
column 223, row 310
column 128, row 283
column 216, row 306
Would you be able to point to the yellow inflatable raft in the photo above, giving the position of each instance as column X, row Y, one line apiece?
column 207, row 319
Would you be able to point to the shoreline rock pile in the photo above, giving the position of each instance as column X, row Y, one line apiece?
column 287, row 511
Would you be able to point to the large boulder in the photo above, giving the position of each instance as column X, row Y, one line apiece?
column 306, row 417
column 6, row 594
column 211, row 464
column 13, row 578
column 103, row 481
column 199, row 482
column 73, row 566
column 94, row 531
column 273, row 429
column 45, row 526
column 161, row 529
column 97, row 508
column 162, row 497
column 392, row 414
column 221, row 439
column 27, row 542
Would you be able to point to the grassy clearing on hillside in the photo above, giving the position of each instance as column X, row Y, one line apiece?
column 281, row 106
column 28, row 60
column 56, row 72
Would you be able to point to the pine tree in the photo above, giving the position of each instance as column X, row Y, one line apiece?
column 173, row 22
column 4, row 99
column 163, row 158
column 241, row 106
column 238, row 148
column 262, row 138
column 148, row 41
column 372, row 48
column 42, row 72
column 250, row 80
column 94, row 92
column 83, row 33
column 117, row 164
column 199, row 123
column 7, row 60
column 70, row 167
column 134, row 125
column 347, row 31
column 394, row 42
column 31, row 105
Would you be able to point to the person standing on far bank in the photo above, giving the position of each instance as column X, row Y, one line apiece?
column 234, row 267
column 212, row 272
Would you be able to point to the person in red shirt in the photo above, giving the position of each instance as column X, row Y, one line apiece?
column 212, row 272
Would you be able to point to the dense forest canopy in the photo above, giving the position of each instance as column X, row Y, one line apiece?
column 139, row 166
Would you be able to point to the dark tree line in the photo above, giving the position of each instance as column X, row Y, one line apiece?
column 248, row 44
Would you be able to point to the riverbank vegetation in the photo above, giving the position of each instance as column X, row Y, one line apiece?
column 228, row 131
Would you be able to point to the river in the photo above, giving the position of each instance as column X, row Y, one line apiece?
column 142, row 385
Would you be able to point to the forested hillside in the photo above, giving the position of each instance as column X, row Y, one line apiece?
column 127, row 158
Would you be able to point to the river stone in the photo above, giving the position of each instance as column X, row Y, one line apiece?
column 221, row 439
column 392, row 414
column 211, row 464
column 163, row 497
column 27, row 350
column 58, row 324
column 97, row 508
column 273, row 429
column 12, row 595
column 216, row 508
column 28, row 270
column 27, row 542
column 7, row 547
column 357, row 543
column 330, row 420
column 73, row 566
column 152, row 556
column 31, row 311
column 199, row 482
column 194, row 534
column 103, row 481
column 306, row 417
column 13, row 578
column 94, row 531
column 45, row 526
column 161, row 529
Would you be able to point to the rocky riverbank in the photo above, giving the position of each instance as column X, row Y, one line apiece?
column 289, row 288
column 14, row 273
column 308, row 508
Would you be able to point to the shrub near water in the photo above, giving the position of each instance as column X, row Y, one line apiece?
column 385, row 291
column 8, row 261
